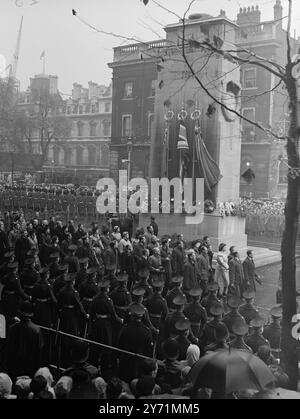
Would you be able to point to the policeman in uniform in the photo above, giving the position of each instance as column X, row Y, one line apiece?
column 29, row 276
column 256, row 339
column 211, row 299
column 72, row 260
column 103, row 317
column 222, row 338
column 195, row 312
column 183, row 327
column 142, row 282
column 43, row 299
column 54, row 266
column 136, row 338
column 177, row 282
column 89, row 289
column 82, row 275
column 240, row 329
column 120, row 296
column 156, row 304
column 138, row 298
column 234, row 302
column 272, row 332
column 60, row 282
column 209, row 330
column 248, row 311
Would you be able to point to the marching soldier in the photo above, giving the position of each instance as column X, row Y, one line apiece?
column 183, row 327
column 88, row 289
column 121, row 297
column 195, row 312
column 272, row 331
column 143, row 283
column 138, row 298
column 157, row 305
column 256, row 339
column 175, row 291
column 82, row 275
column 234, row 302
column 248, row 311
column 222, row 337
column 29, row 276
column 240, row 330
column 103, row 317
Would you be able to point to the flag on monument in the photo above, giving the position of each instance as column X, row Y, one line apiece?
column 183, row 148
column 42, row 55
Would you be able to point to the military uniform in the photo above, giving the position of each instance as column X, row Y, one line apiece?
column 158, row 309
column 248, row 311
column 196, row 313
column 88, row 290
column 29, row 276
column 81, row 277
column 240, row 329
column 272, row 333
column 72, row 261
column 44, row 302
column 255, row 341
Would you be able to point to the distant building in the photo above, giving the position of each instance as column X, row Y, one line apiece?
column 261, row 153
column 82, row 158
column 134, row 84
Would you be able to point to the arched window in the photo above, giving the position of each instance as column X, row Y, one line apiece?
column 79, row 152
column 93, row 129
column 56, row 155
column 92, row 156
column 80, row 128
column 106, row 128
column 283, row 172
column 68, row 156
column 247, row 171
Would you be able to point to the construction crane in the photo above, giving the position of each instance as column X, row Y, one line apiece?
column 14, row 65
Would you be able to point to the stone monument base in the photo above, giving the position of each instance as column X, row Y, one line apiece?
column 227, row 229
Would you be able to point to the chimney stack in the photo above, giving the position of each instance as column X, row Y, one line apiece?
column 249, row 16
column 278, row 12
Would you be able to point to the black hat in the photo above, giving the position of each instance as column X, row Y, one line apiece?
column 178, row 279
column 170, row 349
column 248, row 294
column 63, row 268
column 258, row 321
column 180, row 300
column 44, row 270
column 13, row 265
column 29, row 261
column 158, row 283
column 83, row 261
column 234, row 301
column 240, row 327
column 195, row 292
column 26, row 309
column 182, row 325
column 122, row 278
column 137, row 309
column 276, row 311
column 216, row 309
column 213, row 286
column 138, row 291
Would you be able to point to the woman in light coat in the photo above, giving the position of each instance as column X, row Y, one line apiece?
column 222, row 270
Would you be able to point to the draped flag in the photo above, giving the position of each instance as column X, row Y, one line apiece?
column 42, row 55
column 183, row 148
column 208, row 167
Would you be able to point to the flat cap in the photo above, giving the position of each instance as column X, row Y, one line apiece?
column 180, row 300
column 276, row 311
column 138, row 291
column 182, row 325
column 240, row 327
column 137, row 309
column 234, row 301
column 216, row 309
column 195, row 292
column 213, row 286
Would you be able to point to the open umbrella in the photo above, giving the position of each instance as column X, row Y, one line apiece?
column 229, row 370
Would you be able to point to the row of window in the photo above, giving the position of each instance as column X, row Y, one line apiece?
column 127, row 125
column 79, row 156
column 106, row 128
column 89, row 108
column 129, row 87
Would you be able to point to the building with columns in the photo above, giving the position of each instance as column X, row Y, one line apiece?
column 83, row 156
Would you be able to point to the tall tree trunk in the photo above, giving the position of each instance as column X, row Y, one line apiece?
column 288, row 244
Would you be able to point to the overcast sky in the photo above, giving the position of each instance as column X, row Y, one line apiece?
column 75, row 52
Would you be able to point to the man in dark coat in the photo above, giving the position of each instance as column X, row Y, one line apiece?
column 72, row 260
column 29, row 276
column 154, row 225
column 250, row 276
column 136, row 338
column 204, row 267
column 236, row 274
column 178, row 259
column 195, row 312
column 21, row 248
column 272, row 332
column 176, row 283
column 248, row 311
column 24, row 345
column 82, row 275
column 191, row 276
column 4, row 246
column 157, row 305
column 256, row 338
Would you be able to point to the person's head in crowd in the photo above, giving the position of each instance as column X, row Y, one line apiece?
column 114, row 388
column 170, row 349
column 223, row 248
column 55, row 241
column 250, row 253
column 203, row 249
column 232, row 250
column 148, row 368
column 63, row 387
column 101, row 387
column 142, row 239
column 5, row 386
column 22, row 387
column 206, row 240
column 45, row 372
column 125, row 235
column 37, row 385
column 191, row 255
column 150, row 229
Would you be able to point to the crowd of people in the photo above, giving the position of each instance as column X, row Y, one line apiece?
column 152, row 306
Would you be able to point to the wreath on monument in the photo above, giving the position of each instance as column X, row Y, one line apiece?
column 208, row 206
